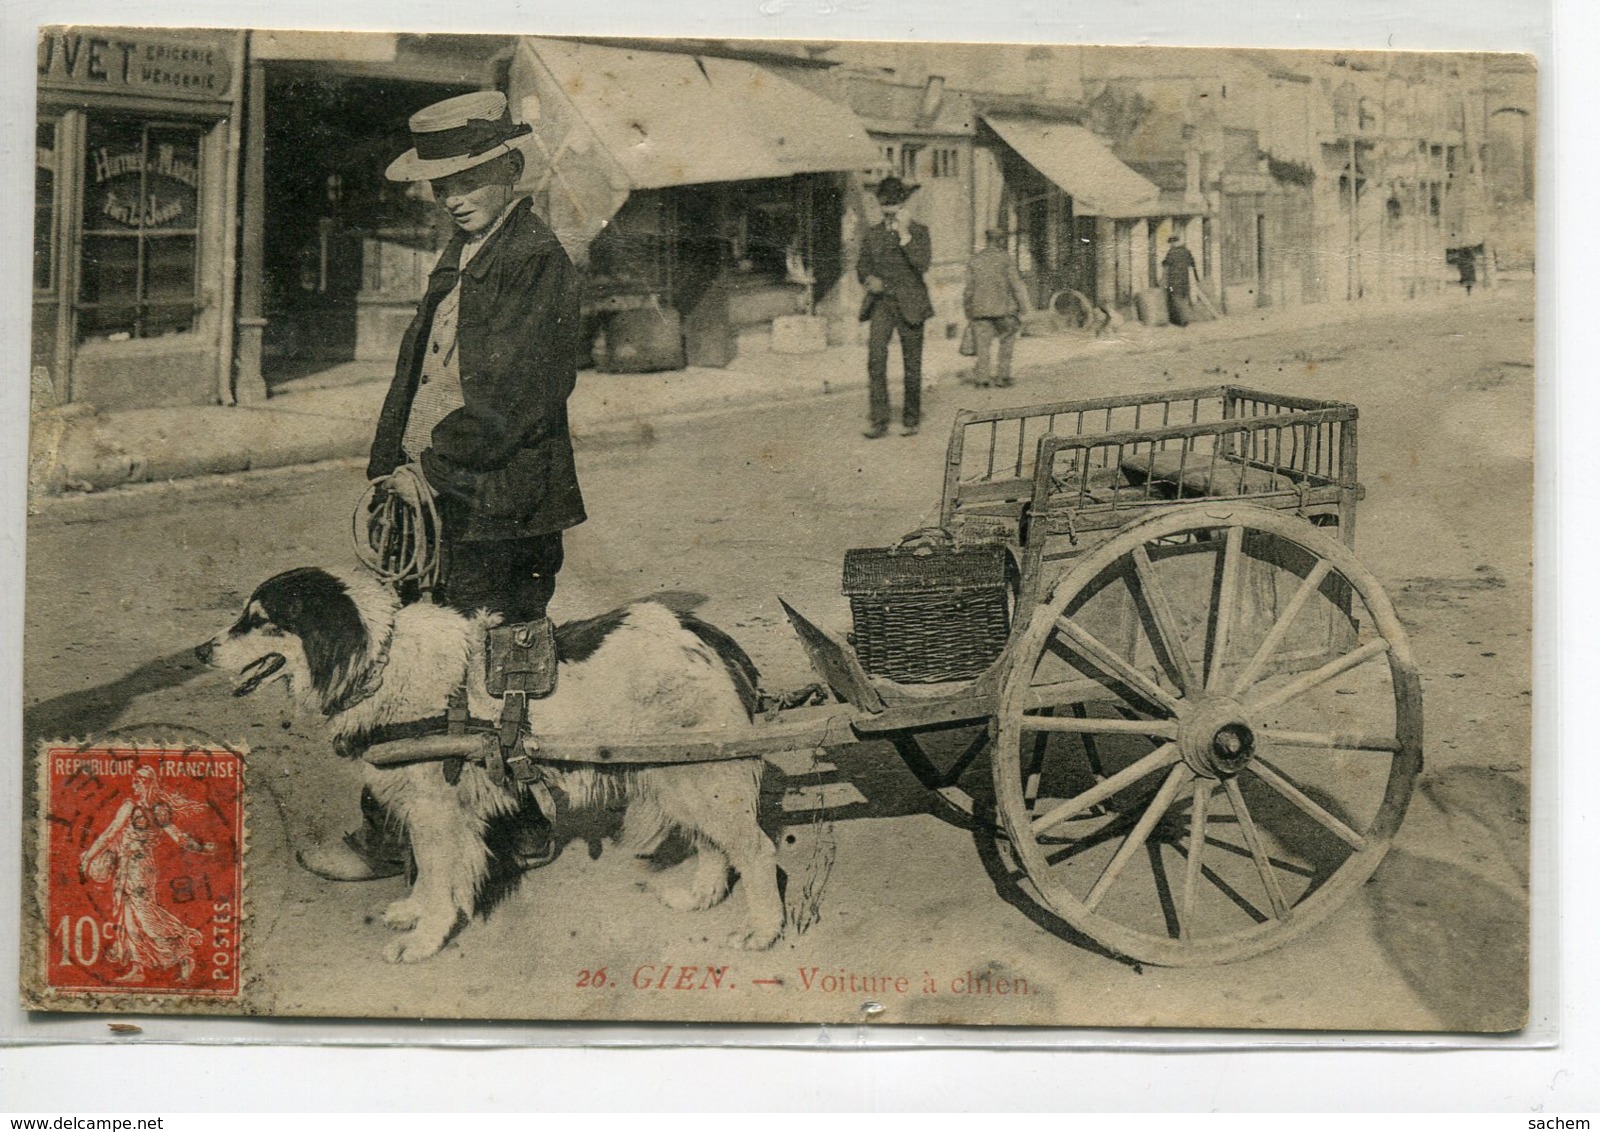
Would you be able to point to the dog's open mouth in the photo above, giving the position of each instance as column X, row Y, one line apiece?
column 258, row 672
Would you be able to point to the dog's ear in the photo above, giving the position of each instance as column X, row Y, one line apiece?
column 318, row 609
column 331, row 650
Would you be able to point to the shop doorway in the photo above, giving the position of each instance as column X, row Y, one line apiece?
column 346, row 252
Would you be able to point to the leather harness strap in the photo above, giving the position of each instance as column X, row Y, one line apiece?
column 354, row 746
column 520, row 665
column 457, row 721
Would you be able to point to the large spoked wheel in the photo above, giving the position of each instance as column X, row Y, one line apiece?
column 1207, row 736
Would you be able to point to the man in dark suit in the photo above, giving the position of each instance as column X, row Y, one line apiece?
column 476, row 416
column 895, row 254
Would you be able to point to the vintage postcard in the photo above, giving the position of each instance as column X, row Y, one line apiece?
column 779, row 531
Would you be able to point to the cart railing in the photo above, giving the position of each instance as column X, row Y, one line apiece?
column 993, row 463
column 1295, row 457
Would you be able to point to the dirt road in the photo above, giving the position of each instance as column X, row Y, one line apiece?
column 746, row 506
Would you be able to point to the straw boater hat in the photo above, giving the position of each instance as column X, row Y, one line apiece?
column 457, row 134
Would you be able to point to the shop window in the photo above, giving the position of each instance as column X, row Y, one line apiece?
column 141, row 248
column 44, row 208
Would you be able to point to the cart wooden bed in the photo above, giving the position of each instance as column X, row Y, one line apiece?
column 1204, row 728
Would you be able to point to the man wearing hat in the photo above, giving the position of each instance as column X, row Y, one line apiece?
column 895, row 254
column 476, row 416
column 994, row 301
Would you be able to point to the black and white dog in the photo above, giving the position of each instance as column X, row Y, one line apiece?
column 348, row 650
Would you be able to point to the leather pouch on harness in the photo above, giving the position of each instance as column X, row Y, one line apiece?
column 522, row 658
column 520, row 665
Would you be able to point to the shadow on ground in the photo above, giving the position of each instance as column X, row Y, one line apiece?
column 1458, row 940
column 91, row 710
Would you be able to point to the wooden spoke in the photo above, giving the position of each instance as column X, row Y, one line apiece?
column 1276, row 779
column 1280, row 627
column 1258, row 848
column 1137, row 836
column 1120, row 670
column 1303, row 684
column 1164, row 755
column 1165, row 623
column 1227, row 602
column 1155, row 728
column 1117, row 631
column 1061, row 693
column 1329, row 740
column 1197, row 844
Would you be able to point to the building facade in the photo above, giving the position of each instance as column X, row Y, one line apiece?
column 212, row 222
column 135, row 174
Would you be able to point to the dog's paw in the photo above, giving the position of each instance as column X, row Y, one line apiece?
column 416, row 945
column 755, row 939
column 402, row 914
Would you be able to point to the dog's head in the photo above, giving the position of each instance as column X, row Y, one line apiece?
column 312, row 629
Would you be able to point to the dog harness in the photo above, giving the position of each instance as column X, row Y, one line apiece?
column 520, row 664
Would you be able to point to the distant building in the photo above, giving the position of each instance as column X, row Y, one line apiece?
column 212, row 221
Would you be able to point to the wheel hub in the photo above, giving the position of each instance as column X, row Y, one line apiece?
column 1216, row 738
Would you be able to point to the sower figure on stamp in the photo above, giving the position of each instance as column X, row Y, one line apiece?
column 476, row 417
column 994, row 300
column 895, row 255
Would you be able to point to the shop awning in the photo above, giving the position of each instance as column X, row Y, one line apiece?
column 1082, row 165
column 609, row 120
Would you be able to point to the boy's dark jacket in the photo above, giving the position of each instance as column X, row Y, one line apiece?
column 502, row 464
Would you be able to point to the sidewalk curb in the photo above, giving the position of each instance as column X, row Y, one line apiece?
column 73, row 449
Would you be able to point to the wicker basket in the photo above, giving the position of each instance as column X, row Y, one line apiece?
column 928, row 611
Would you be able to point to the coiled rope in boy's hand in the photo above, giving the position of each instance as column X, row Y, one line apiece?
column 396, row 530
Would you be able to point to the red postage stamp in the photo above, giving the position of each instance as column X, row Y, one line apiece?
column 143, row 852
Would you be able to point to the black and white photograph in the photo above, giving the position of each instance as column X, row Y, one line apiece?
column 537, row 528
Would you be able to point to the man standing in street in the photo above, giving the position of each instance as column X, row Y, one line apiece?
column 476, row 416
column 994, row 301
column 1179, row 267
column 895, row 255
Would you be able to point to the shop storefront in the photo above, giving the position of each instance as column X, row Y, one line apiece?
column 135, row 167
column 333, row 255
column 1081, row 218
column 705, row 195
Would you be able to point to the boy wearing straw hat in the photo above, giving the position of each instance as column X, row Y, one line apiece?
column 476, row 416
